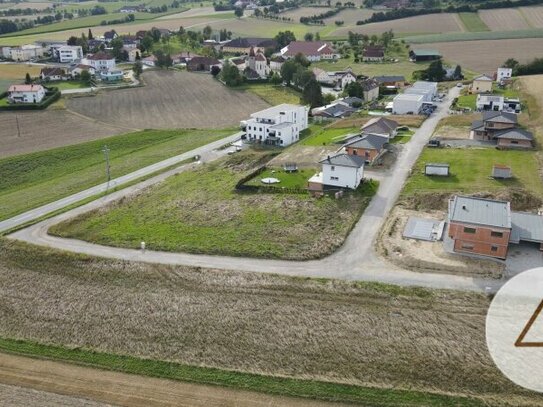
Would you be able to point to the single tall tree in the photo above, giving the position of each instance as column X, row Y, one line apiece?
column 28, row 79
column 90, row 36
column 312, row 94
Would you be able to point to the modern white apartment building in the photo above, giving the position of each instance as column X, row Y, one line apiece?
column 69, row 53
column 279, row 125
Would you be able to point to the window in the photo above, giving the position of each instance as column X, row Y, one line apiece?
column 494, row 249
column 334, row 178
column 514, row 142
column 355, row 152
column 496, row 234
column 470, row 230
column 467, row 247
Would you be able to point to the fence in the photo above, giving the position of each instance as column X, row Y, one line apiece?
column 240, row 186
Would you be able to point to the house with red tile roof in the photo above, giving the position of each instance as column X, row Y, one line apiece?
column 26, row 93
column 313, row 50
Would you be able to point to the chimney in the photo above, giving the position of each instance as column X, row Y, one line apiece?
column 464, row 207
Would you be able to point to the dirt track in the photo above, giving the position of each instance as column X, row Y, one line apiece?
column 117, row 388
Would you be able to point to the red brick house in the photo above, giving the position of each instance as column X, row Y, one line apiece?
column 368, row 146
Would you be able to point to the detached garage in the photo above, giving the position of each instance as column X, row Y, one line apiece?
column 407, row 104
column 440, row 169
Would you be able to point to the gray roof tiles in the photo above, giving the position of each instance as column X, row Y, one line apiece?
column 515, row 134
column 526, row 227
column 368, row 141
column 500, row 117
column 480, row 211
column 344, row 160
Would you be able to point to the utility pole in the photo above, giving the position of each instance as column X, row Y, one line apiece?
column 106, row 150
column 18, row 127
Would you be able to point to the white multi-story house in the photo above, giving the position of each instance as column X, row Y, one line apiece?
column 339, row 171
column 338, row 79
column 26, row 93
column 279, row 125
column 101, row 61
column 69, row 53
column 24, row 52
column 504, row 74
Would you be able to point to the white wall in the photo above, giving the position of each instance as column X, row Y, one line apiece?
column 343, row 177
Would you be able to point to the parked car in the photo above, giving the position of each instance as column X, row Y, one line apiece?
column 434, row 143
column 459, row 85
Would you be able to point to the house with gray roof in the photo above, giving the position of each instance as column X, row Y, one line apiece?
column 381, row 126
column 338, row 172
column 514, row 138
column 491, row 123
column 368, row 146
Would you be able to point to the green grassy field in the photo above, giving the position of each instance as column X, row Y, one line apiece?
column 272, row 94
column 402, row 137
column 297, row 179
column 468, row 101
column 473, row 22
column 64, row 85
column 472, row 36
column 320, row 136
column 183, row 216
column 320, row 390
column 471, row 169
column 35, row 179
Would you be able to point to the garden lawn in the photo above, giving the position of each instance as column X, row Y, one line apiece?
column 320, row 136
column 31, row 180
column 274, row 95
column 64, row 85
column 471, row 169
column 200, row 212
column 297, row 179
column 468, row 101
column 473, row 22
column 402, row 137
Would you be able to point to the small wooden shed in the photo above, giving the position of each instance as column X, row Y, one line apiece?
column 501, row 171
column 441, row 169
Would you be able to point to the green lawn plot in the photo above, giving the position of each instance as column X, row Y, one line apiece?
column 473, row 22
column 273, row 94
column 291, row 179
column 320, row 136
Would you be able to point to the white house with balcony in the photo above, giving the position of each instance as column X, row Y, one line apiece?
column 26, row 93
column 101, row 61
column 279, row 125
column 69, row 53
column 504, row 74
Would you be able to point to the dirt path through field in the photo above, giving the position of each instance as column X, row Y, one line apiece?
column 126, row 390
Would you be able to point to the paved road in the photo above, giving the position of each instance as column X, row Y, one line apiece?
column 355, row 260
column 84, row 386
column 204, row 151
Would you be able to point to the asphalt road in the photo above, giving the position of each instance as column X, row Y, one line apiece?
column 355, row 260
column 204, row 151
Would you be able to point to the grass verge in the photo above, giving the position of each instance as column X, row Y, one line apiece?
column 375, row 397
column 31, row 180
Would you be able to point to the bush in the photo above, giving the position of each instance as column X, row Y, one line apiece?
column 51, row 96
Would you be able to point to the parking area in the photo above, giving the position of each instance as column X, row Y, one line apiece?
column 522, row 257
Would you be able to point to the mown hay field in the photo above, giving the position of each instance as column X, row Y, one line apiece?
column 26, row 132
column 350, row 332
column 348, row 16
column 201, row 212
column 433, row 23
column 505, row 19
column 486, row 55
column 171, row 99
column 534, row 15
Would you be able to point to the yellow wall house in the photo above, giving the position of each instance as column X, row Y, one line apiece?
column 482, row 84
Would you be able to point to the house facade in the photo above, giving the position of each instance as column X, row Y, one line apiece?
column 101, row 61
column 369, row 147
column 243, row 45
column 370, row 90
column 407, row 104
column 279, row 125
column 69, row 53
column 382, row 127
column 53, row 74
column 482, row 84
column 276, row 63
column 133, row 54
column 113, row 75
column 342, row 171
column 492, row 123
column 257, row 62
column 26, row 93
column 76, row 70
column 504, row 74
column 373, row 54
column 24, row 52
column 480, row 226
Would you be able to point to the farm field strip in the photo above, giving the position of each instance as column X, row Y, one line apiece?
column 473, row 22
column 534, row 15
column 507, row 19
column 433, row 23
column 474, row 36
column 37, row 179
column 486, row 56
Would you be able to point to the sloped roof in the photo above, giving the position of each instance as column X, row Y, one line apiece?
column 278, row 59
column 337, row 110
column 369, row 84
column 425, row 52
column 344, row 160
column 368, row 142
column 380, row 125
column 500, row 117
column 484, row 78
column 374, row 52
column 477, row 125
column 526, row 227
column 25, row 88
column 514, row 134
column 52, row 71
column 307, row 48
column 100, row 56
column 260, row 57
column 251, row 42
column 480, row 211
column 390, row 78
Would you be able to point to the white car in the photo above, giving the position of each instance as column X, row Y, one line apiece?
column 459, row 85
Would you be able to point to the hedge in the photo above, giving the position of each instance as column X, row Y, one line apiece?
column 51, row 95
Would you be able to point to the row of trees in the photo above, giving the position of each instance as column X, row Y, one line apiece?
column 533, row 67
column 437, row 73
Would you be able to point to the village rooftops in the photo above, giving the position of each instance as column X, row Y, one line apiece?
column 480, row 211
column 380, row 125
column 368, row 142
column 307, row 48
column 344, row 160
column 389, row 78
column 274, row 111
column 500, row 117
column 25, row 88
column 526, row 227
column 514, row 134
column 374, row 52
column 100, row 56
